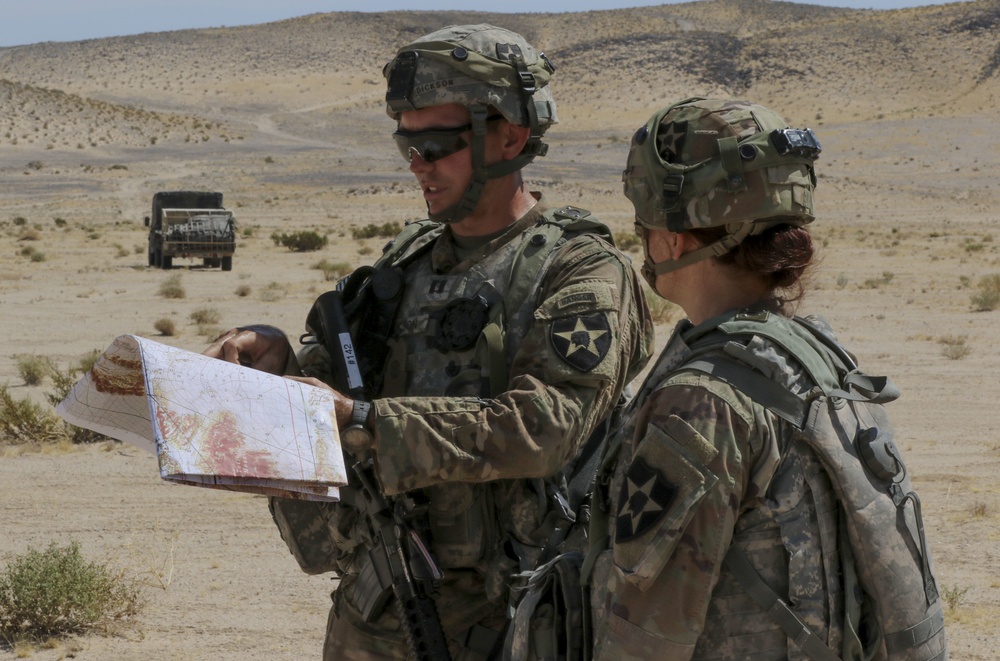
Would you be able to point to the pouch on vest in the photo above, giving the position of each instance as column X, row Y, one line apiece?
column 552, row 622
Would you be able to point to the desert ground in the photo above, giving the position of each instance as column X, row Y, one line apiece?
column 287, row 120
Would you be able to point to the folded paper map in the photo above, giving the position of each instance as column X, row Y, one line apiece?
column 212, row 423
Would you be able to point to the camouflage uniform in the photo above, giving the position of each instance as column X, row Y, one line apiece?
column 701, row 467
column 571, row 346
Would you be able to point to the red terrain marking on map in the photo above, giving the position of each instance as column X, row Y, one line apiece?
column 225, row 452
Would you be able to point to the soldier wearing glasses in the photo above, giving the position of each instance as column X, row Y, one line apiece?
column 506, row 331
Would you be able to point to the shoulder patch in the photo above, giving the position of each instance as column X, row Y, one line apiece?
column 582, row 341
column 646, row 498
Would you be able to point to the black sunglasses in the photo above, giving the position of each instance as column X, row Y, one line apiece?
column 434, row 144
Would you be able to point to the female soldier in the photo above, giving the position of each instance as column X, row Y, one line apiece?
column 727, row 536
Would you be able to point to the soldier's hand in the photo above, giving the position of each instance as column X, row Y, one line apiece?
column 261, row 347
column 343, row 407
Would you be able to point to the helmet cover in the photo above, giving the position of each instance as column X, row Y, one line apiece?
column 709, row 163
column 473, row 65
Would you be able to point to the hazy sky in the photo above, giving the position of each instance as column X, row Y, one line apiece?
column 33, row 21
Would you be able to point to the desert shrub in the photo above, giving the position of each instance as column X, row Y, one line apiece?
column 243, row 291
column 987, row 298
column 272, row 292
column 203, row 316
column 371, row 230
column 121, row 251
column 62, row 383
column 57, row 592
column 165, row 326
column 332, row 270
column 171, row 288
column 34, row 369
column 661, row 310
column 628, row 241
column 38, row 256
column 60, row 222
column 20, row 220
column 22, row 421
column 954, row 347
column 953, row 595
column 306, row 241
column 27, row 251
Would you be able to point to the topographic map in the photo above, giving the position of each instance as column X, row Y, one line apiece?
column 212, row 423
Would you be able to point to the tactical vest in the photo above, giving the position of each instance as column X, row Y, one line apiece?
column 454, row 335
column 501, row 293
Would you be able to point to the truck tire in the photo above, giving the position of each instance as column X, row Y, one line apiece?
column 152, row 258
column 166, row 262
column 227, row 263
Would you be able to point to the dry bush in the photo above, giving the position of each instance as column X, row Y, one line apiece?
column 306, row 241
column 628, row 241
column 955, row 347
column 23, row 421
column 273, row 292
column 172, row 288
column 57, row 592
column 371, row 231
column 243, row 291
column 988, row 296
column 332, row 270
column 34, row 369
column 165, row 326
column 661, row 310
column 204, row 316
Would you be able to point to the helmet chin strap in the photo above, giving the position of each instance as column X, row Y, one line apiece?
column 481, row 173
column 651, row 269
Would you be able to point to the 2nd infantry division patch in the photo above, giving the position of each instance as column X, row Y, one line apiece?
column 646, row 497
column 582, row 341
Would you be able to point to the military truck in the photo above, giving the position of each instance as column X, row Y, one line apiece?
column 191, row 224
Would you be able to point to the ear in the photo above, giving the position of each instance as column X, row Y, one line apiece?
column 514, row 138
column 682, row 244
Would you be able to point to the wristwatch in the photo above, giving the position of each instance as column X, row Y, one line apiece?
column 356, row 436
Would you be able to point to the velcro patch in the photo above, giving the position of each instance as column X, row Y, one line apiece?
column 588, row 297
column 582, row 341
column 646, row 497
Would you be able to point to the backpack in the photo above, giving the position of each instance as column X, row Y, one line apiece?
column 893, row 607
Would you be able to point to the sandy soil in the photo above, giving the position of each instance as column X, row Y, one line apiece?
column 907, row 202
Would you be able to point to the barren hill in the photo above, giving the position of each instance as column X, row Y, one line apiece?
column 816, row 63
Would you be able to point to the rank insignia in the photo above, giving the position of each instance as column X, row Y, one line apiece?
column 645, row 499
column 582, row 341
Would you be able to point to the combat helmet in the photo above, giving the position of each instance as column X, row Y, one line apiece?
column 478, row 67
column 719, row 163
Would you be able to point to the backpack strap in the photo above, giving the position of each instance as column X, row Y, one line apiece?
column 768, row 601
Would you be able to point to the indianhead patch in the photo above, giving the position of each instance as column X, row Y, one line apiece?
column 582, row 341
column 646, row 497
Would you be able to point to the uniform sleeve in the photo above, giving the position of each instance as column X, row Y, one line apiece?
column 591, row 334
column 672, row 519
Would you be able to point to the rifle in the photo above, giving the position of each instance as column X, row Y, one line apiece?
column 400, row 559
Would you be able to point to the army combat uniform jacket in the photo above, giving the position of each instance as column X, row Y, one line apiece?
column 703, row 467
column 571, row 342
